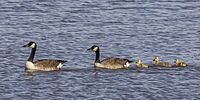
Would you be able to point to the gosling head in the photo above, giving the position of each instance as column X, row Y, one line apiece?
column 156, row 58
column 138, row 61
column 94, row 48
column 30, row 45
column 177, row 61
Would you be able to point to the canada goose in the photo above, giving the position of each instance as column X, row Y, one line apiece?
column 139, row 64
column 42, row 65
column 110, row 62
column 161, row 64
column 179, row 63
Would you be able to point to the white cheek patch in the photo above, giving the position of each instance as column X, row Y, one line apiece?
column 95, row 49
column 33, row 45
column 127, row 64
column 60, row 66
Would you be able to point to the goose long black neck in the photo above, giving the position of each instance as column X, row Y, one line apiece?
column 97, row 56
column 31, row 57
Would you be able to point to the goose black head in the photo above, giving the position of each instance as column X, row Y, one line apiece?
column 94, row 48
column 30, row 44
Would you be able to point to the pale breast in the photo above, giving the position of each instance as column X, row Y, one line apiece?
column 30, row 65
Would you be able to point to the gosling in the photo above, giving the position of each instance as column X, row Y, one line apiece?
column 179, row 63
column 139, row 64
column 161, row 64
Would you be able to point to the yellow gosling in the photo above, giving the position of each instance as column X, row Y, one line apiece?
column 161, row 64
column 179, row 63
column 139, row 64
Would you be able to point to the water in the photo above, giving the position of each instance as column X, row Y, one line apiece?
column 132, row 29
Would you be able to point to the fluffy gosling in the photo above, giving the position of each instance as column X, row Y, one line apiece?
column 139, row 64
column 179, row 63
column 161, row 64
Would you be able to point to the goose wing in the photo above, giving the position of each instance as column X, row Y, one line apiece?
column 115, row 63
column 48, row 64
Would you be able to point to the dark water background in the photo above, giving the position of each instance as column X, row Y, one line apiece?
column 134, row 29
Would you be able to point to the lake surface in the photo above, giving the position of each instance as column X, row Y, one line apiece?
column 133, row 29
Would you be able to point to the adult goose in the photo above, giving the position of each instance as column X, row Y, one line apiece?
column 110, row 62
column 41, row 65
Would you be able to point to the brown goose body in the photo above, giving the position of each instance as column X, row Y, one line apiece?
column 113, row 63
column 47, row 65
